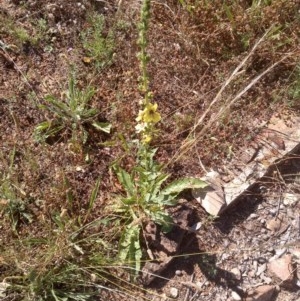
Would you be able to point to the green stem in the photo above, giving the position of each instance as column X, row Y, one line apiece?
column 143, row 57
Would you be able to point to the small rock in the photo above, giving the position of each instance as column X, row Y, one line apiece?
column 235, row 296
column 273, row 224
column 278, row 254
column 178, row 273
column 266, row 279
column 226, row 243
column 79, row 168
column 200, row 284
column 261, row 269
column 261, row 260
column 212, row 197
column 282, row 268
column 3, row 287
column 236, row 273
column 262, row 220
column 255, row 266
column 174, row 292
column 225, row 256
column 210, row 200
column 196, row 226
column 252, row 216
column 289, row 199
column 261, row 293
column 260, row 207
column 295, row 252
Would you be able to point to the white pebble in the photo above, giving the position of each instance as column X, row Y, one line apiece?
column 261, row 269
column 178, row 273
column 235, row 296
column 174, row 292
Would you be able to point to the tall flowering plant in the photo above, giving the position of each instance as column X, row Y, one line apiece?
column 148, row 116
column 144, row 198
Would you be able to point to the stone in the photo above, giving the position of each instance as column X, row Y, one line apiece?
column 196, row 226
column 261, row 260
column 174, row 292
column 235, row 296
column 274, row 143
column 261, row 269
column 283, row 270
column 296, row 253
column 252, row 216
column 210, row 199
column 236, row 273
column 3, row 287
column 255, row 266
column 274, row 224
column 267, row 280
column 290, row 199
column 280, row 252
column 178, row 272
column 261, row 293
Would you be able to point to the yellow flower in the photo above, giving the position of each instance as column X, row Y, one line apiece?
column 149, row 114
column 146, row 139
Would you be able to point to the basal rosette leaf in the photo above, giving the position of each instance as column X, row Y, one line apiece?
column 102, row 126
column 179, row 185
column 163, row 219
column 125, row 179
column 129, row 249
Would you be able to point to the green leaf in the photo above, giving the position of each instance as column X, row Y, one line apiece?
column 43, row 126
column 128, row 201
column 129, row 249
column 47, row 129
column 163, row 219
column 58, row 107
column 165, row 200
column 93, row 197
column 102, row 126
column 160, row 179
column 125, row 179
column 88, row 113
column 179, row 185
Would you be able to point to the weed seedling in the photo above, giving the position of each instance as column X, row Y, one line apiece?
column 98, row 47
column 72, row 114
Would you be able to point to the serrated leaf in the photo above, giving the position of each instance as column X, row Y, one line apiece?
column 165, row 200
column 159, row 180
column 163, row 219
column 102, row 126
column 186, row 183
column 125, row 179
column 88, row 113
column 130, row 250
column 57, row 106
